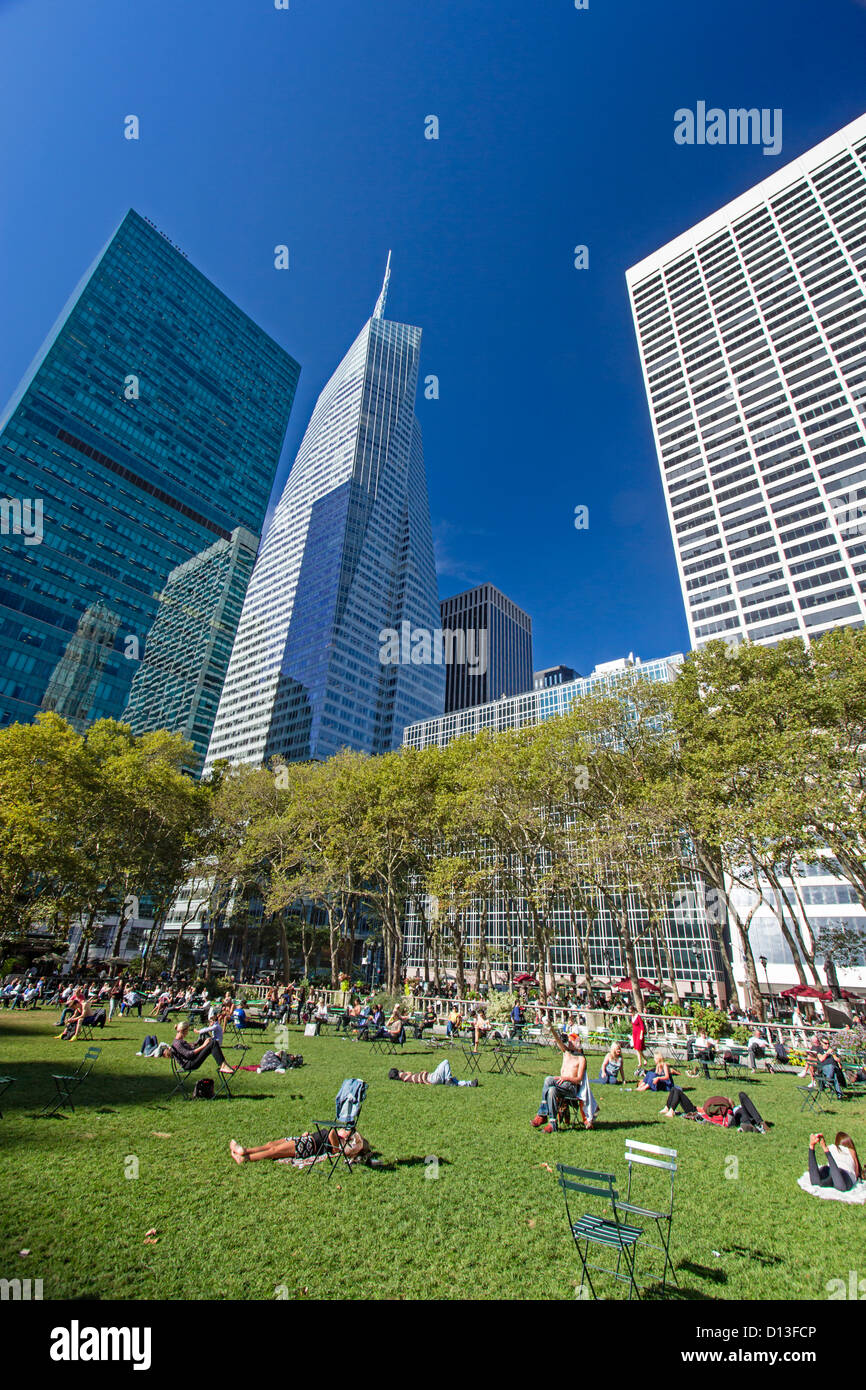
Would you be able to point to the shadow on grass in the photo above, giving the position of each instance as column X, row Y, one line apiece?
column 391, row 1165
column 760, row 1257
column 715, row 1276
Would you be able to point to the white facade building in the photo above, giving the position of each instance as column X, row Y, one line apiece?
column 752, row 335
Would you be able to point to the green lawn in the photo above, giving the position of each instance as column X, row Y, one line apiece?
column 491, row 1224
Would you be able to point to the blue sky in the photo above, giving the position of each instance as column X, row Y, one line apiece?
column 306, row 127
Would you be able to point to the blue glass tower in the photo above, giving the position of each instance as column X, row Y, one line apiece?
column 148, row 428
column 348, row 557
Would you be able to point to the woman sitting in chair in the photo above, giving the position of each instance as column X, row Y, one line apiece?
column 191, row 1058
column 354, row 1145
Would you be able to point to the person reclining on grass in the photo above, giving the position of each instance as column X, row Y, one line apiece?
column 304, row 1146
column 191, row 1058
column 440, row 1077
column 842, row 1170
column 717, row 1110
column 572, row 1085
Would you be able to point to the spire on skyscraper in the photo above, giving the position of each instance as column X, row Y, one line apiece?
column 379, row 310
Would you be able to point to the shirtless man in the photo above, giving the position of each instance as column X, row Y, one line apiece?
column 571, row 1084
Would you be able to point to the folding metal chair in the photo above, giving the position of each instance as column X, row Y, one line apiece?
column 502, row 1060
column 5, row 1083
column 473, row 1059
column 66, row 1085
column 813, row 1095
column 185, row 1079
column 231, row 1030
column 348, row 1122
column 608, row 1232
column 651, row 1156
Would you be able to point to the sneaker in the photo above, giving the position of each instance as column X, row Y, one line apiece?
column 537, row 1121
column 550, row 1128
column 473, row 1082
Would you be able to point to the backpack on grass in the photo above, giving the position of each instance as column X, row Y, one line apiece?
column 203, row 1089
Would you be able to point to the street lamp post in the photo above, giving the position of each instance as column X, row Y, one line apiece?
column 763, row 961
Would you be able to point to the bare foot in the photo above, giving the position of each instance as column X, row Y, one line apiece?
column 237, row 1153
column 227, row 1071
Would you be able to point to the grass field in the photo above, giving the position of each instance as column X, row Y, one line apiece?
column 490, row 1224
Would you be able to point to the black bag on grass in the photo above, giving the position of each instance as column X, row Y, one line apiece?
column 203, row 1088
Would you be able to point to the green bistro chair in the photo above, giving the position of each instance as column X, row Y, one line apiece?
column 607, row 1232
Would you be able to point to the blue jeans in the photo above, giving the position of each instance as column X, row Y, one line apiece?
column 610, row 1075
column 829, row 1071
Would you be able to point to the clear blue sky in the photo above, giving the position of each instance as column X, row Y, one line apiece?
column 306, row 127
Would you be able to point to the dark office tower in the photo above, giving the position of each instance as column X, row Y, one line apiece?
column 553, row 675
column 148, row 428
column 178, row 683
column 488, row 647
column 346, row 568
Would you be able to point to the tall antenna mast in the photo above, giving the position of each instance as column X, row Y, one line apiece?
column 383, row 297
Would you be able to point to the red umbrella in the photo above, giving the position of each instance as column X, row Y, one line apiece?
column 525, row 979
column 805, row 992
column 626, row 986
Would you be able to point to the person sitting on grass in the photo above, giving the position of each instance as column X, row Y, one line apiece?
column 304, row 1146
column 440, row 1077
column 842, row 1170
column 717, row 1110
column 659, row 1077
column 612, row 1066
column 191, row 1058
column 572, row 1085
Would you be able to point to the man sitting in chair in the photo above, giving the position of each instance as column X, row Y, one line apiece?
column 354, row 1145
column 191, row 1058
column 571, row 1085
column 243, row 1020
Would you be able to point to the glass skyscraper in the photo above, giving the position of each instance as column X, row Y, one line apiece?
column 348, row 558
column 178, row 683
column 752, row 336
column 148, row 428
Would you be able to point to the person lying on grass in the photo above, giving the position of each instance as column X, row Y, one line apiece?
column 659, row 1077
column 440, row 1077
column 717, row 1110
column 843, row 1169
column 572, row 1085
column 304, row 1146
column 191, row 1058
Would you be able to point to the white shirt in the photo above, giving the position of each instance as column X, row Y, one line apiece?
column 844, row 1159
